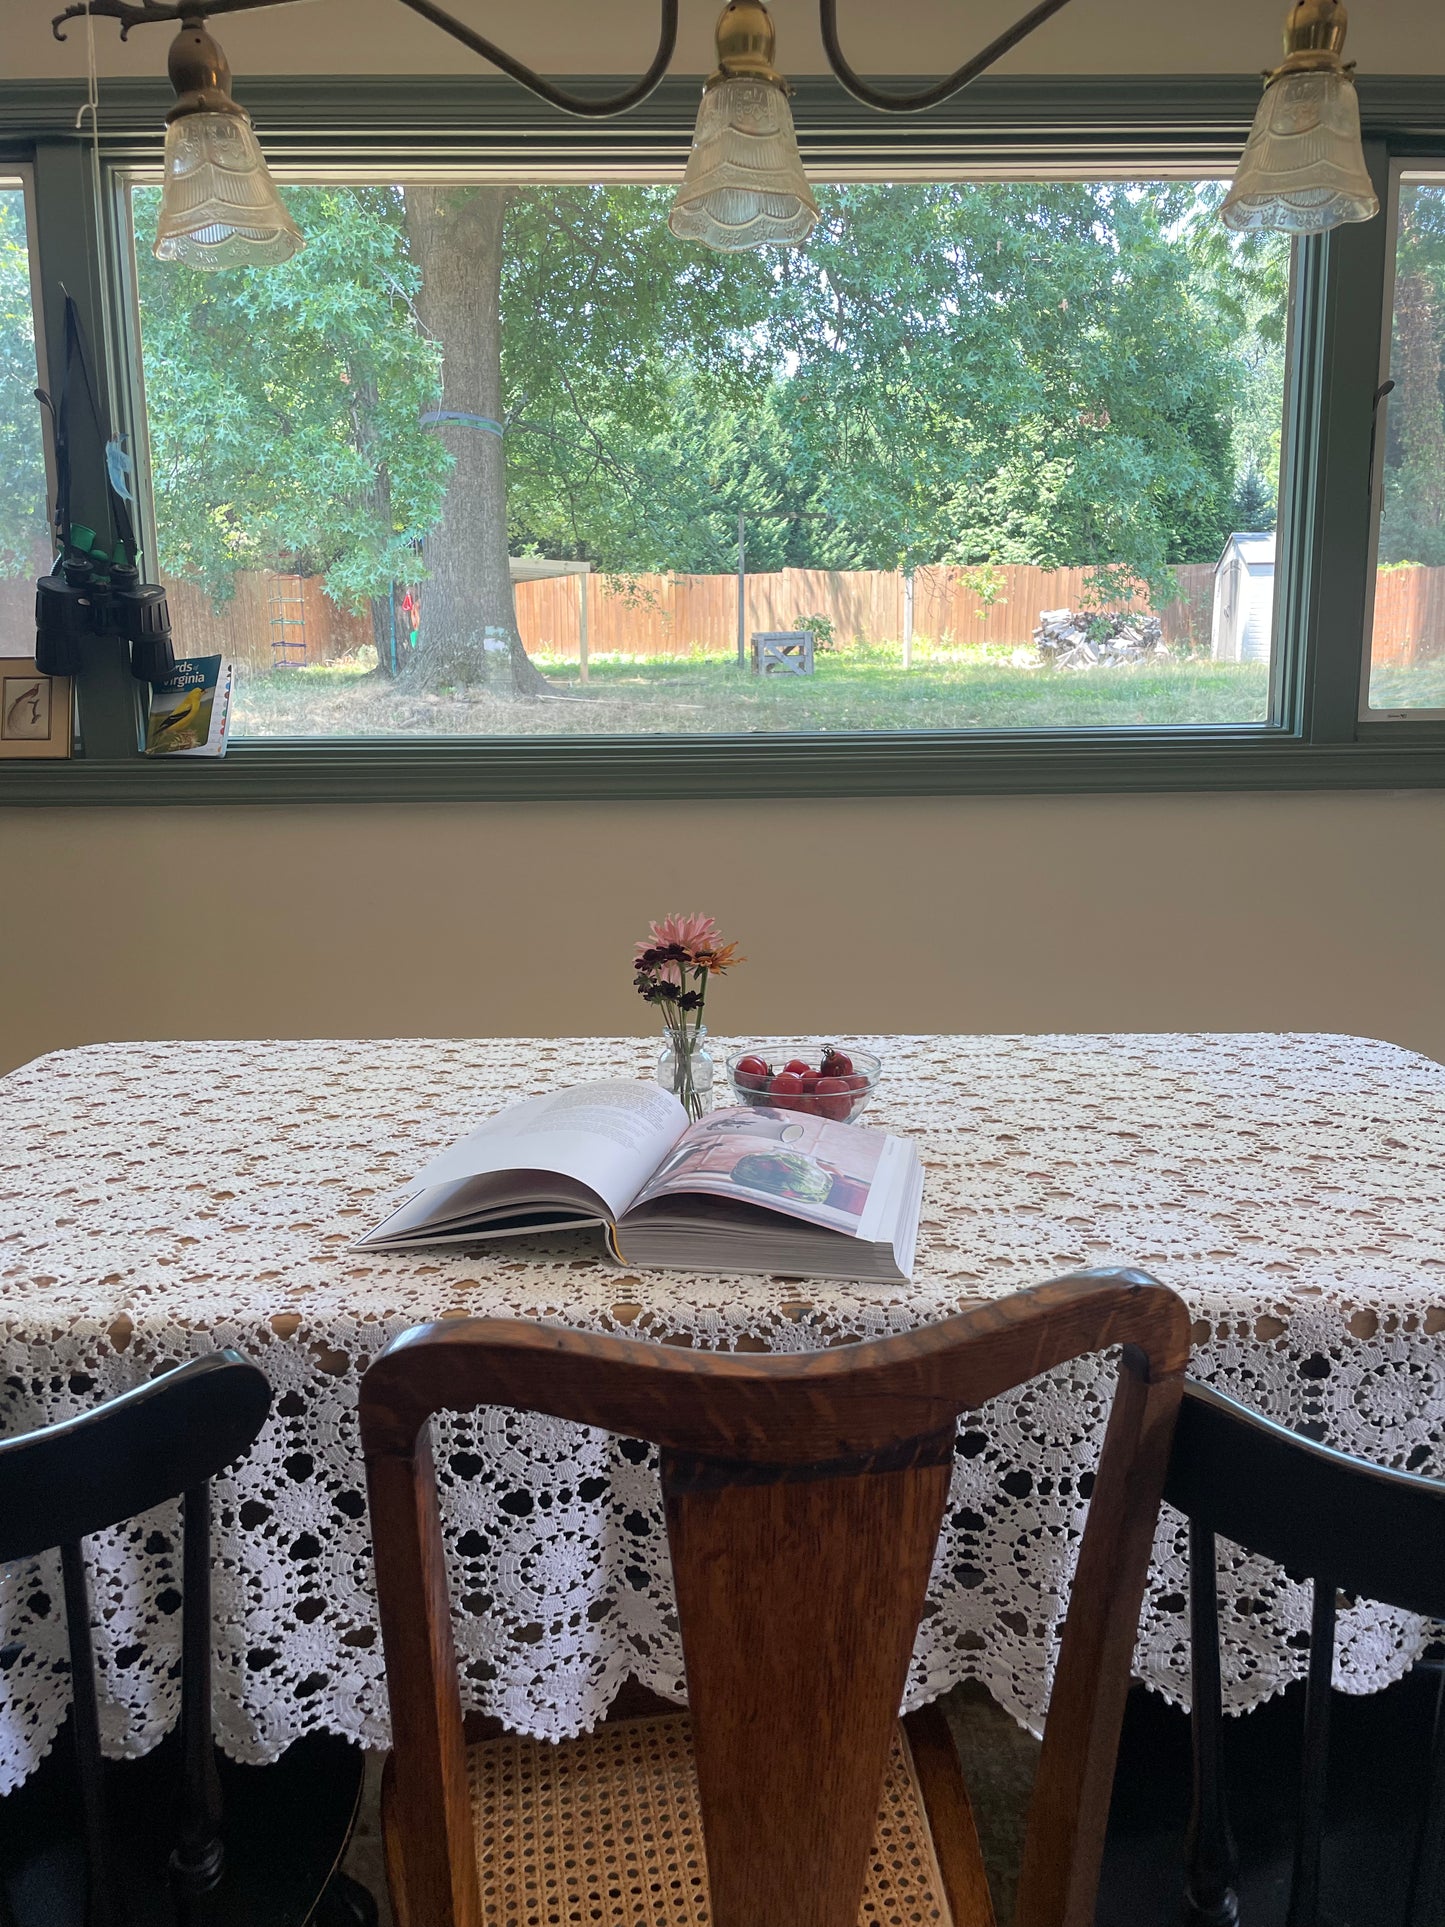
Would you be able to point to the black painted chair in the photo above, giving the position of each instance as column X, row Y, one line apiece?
column 1372, row 1819
column 181, row 1838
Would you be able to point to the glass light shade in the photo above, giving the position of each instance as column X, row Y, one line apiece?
column 219, row 205
column 1303, row 169
column 744, row 186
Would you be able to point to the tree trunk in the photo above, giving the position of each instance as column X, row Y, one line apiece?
column 385, row 635
column 469, row 629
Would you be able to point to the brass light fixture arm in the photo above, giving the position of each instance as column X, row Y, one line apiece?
column 941, row 90
column 583, row 109
column 131, row 15
column 148, row 14
column 143, row 13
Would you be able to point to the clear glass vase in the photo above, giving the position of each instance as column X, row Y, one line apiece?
column 684, row 1067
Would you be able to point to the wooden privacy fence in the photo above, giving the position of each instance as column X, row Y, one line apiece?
column 669, row 616
column 657, row 615
column 241, row 628
column 1409, row 617
column 266, row 611
column 674, row 615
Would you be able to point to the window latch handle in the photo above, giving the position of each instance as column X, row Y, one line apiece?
column 1381, row 392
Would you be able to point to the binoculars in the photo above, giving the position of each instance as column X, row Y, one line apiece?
column 91, row 592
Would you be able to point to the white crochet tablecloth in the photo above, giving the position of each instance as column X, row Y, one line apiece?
column 159, row 1200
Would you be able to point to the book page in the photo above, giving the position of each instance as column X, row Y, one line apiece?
column 608, row 1136
column 805, row 1167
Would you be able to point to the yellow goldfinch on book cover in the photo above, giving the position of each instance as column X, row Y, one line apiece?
column 181, row 707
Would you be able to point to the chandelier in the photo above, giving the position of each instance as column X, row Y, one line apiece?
column 744, row 187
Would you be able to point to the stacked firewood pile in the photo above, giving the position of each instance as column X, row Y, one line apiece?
column 1093, row 639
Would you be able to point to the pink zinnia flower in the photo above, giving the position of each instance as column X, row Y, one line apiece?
column 689, row 934
column 696, row 932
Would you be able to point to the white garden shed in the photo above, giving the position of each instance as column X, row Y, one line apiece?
column 1243, row 619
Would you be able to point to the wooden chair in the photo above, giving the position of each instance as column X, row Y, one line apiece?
column 1350, row 1527
column 137, row 1854
column 804, row 1497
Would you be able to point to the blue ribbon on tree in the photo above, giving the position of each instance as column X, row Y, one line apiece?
column 436, row 416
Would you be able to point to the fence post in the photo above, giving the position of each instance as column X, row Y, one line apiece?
column 908, row 618
column 742, row 595
column 582, row 624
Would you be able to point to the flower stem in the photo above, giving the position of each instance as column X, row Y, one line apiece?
column 684, row 1043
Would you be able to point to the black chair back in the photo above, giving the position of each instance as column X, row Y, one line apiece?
column 163, row 1440
column 1350, row 1527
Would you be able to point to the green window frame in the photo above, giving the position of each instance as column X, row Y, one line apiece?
column 1316, row 738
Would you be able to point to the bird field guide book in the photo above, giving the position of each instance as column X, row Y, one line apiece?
column 752, row 1189
column 190, row 711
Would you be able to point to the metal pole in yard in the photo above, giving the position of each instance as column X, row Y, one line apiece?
column 742, row 594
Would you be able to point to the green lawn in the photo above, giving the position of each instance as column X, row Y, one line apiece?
column 1422, row 686
column 977, row 690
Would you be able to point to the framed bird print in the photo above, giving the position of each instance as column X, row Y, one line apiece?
column 35, row 718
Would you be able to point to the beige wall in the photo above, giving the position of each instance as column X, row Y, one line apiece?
column 1107, row 913
column 903, row 36
column 1010, row 913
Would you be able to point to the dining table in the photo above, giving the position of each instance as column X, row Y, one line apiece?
column 160, row 1199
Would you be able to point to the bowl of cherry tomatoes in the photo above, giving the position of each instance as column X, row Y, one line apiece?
column 835, row 1082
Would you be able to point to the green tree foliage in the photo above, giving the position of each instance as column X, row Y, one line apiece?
column 1046, row 373
column 1413, row 525
column 1062, row 374
column 623, row 355
column 284, row 404
column 1253, row 507
column 1012, row 372
column 22, row 462
column 1242, row 280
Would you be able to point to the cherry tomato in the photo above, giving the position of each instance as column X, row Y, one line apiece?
column 798, row 1067
column 810, row 1082
column 836, row 1063
column 785, row 1090
column 834, row 1099
column 753, row 1067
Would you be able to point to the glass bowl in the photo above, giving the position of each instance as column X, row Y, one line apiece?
column 842, row 1106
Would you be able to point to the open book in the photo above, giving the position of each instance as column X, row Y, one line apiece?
column 743, row 1190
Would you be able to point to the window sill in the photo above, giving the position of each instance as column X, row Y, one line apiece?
column 572, row 769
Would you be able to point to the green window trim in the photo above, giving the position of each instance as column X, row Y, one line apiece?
column 1096, row 125
column 572, row 769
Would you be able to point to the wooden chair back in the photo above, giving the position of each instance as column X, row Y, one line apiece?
column 1349, row 1527
column 804, row 1497
column 163, row 1440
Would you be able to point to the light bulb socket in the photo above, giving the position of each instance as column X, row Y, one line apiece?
column 200, row 74
column 1314, row 37
column 745, row 41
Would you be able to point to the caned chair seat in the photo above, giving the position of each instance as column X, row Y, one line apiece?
column 606, row 1831
column 804, row 1496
